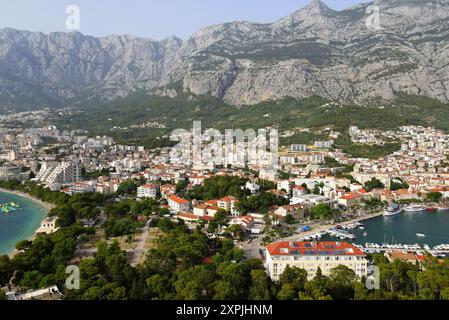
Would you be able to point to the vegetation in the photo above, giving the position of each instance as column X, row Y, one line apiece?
column 218, row 187
column 288, row 115
column 397, row 184
column 187, row 264
column 323, row 212
column 372, row 203
column 260, row 203
column 434, row 196
column 374, row 183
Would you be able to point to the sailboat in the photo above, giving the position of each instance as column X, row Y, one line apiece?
column 421, row 235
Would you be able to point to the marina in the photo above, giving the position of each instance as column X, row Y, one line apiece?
column 416, row 231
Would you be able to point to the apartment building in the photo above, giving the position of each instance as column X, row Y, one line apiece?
column 205, row 209
column 8, row 172
column 228, row 204
column 313, row 255
column 55, row 174
column 80, row 187
column 148, row 191
column 286, row 185
column 298, row 191
column 178, row 204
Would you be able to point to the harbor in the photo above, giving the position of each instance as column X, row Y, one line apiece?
column 416, row 229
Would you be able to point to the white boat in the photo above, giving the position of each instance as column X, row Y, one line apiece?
column 392, row 210
column 415, row 208
column 421, row 235
column 442, row 208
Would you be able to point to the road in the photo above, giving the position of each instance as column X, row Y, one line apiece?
column 140, row 247
column 135, row 253
column 251, row 248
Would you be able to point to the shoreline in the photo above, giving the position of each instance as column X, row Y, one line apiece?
column 46, row 205
column 321, row 228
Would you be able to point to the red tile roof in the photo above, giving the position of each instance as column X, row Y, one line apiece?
column 313, row 248
column 227, row 199
column 178, row 200
column 212, row 202
column 350, row 196
column 149, row 186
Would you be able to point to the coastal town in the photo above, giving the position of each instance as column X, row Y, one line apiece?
column 278, row 215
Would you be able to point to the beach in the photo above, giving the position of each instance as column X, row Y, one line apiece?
column 46, row 205
column 21, row 224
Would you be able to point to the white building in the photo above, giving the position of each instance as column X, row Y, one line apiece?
column 11, row 172
column 313, row 255
column 48, row 226
column 286, row 185
column 313, row 200
column 324, row 144
column 252, row 187
column 80, row 187
column 178, row 204
column 55, row 174
column 298, row 147
column 298, row 191
column 148, row 191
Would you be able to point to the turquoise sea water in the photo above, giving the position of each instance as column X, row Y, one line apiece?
column 21, row 224
column 403, row 228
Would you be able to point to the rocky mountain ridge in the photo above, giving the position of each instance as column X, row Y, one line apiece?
column 314, row 51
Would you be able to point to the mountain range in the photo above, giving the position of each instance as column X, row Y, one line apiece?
column 315, row 51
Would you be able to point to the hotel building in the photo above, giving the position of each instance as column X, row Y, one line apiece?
column 313, row 255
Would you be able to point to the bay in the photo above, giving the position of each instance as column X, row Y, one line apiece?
column 20, row 224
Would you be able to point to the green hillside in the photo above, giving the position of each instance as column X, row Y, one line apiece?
column 289, row 114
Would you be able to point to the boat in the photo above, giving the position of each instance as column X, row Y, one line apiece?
column 439, row 208
column 421, row 235
column 392, row 210
column 341, row 234
column 415, row 208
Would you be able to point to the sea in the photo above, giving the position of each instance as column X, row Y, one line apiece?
column 403, row 229
column 20, row 224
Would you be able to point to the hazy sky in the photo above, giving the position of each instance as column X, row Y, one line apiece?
column 155, row 19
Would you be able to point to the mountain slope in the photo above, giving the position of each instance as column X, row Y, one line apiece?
column 314, row 51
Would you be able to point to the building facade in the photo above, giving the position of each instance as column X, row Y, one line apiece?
column 313, row 255
column 147, row 191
